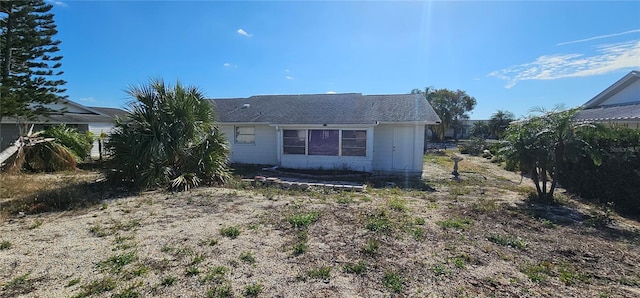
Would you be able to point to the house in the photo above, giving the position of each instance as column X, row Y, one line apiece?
column 94, row 119
column 369, row 133
column 618, row 105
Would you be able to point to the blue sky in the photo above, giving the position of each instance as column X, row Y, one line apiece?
column 509, row 55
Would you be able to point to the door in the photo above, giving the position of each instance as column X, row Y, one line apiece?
column 402, row 151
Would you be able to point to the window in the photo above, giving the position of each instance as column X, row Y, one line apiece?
column 245, row 135
column 324, row 142
column 354, row 143
column 294, row 141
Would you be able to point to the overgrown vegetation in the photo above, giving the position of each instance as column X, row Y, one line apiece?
column 168, row 140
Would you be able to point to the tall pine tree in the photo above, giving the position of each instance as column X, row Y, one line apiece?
column 29, row 66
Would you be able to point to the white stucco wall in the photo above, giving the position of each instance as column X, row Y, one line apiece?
column 97, row 129
column 263, row 151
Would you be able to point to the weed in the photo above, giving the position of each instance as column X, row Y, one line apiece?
column 36, row 223
column 419, row 221
column 485, row 205
column 21, row 281
column 216, row 274
column 460, row 224
column 117, row 262
column 537, row 273
column 379, row 223
column 343, row 199
column 355, row 268
column 168, row 281
column 134, row 223
column 547, row 223
column 323, row 272
column 253, row 290
column 303, row 220
column 397, row 204
column 231, row 232
column 299, row 248
column 393, row 281
column 73, row 282
column 439, row 269
column 371, row 248
column 5, row 244
column 508, row 241
column 98, row 286
column 417, row 233
column 459, row 261
column 140, row 271
column 220, row 291
column 570, row 277
column 104, row 206
column 98, row 231
column 210, row 241
column 197, row 259
column 192, row 271
column 128, row 293
column 247, row 257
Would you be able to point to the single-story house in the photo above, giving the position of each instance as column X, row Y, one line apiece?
column 94, row 119
column 617, row 105
column 369, row 133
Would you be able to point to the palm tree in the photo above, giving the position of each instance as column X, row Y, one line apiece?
column 169, row 139
column 539, row 145
column 499, row 122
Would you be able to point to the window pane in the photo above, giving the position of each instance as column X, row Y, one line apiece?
column 293, row 150
column 351, row 143
column 245, row 134
column 245, row 130
column 324, row 142
column 245, row 138
column 354, row 152
column 354, row 142
column 294, row 141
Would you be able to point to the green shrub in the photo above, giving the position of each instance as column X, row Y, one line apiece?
column 474, row 146
column 615, row 180
column 232, row 232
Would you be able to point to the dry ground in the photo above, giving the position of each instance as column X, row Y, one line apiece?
column 477, row 237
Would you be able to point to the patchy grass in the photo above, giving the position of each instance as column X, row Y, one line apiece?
column 322, row 272
column 508, row 241
column 5, row 244
column 303, row 220
column 230, row 232
column 457, row 223
column 393, row 280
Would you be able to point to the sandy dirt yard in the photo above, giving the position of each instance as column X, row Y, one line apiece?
column 477, row 237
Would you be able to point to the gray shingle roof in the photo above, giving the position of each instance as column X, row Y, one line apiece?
column 108, row 115
column 347, row 108
column 610, row 113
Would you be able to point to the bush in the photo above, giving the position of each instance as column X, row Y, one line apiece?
column 615, row 180
column 474, row 146
column 168, row 139
column 79, row 144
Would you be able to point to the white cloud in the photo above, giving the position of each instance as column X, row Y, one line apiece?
column 229, row 65
column 599, row 37
column 608, row 58
column 59, row 3
column 244, row 33
column 87, row 99
column 289, row 77
column 331, row 92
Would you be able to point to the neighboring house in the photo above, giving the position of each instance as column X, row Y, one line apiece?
column 370, row 133
column 94, row 119
column 618, row 105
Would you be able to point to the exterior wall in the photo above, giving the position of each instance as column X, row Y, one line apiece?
column 263, row 151
column 354, row 163
column 97, row 129
column 398, row 148
column 626, row 95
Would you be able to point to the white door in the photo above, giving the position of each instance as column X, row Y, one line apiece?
column 402, row 150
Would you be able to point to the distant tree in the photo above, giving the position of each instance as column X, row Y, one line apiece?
column 168, row 139
column 480, row 129
column 451, row 106
column 499, row 122
column 29, row 66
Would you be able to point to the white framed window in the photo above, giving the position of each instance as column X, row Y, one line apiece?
column 245, row 135
column 354, row 143
column 325, row 142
